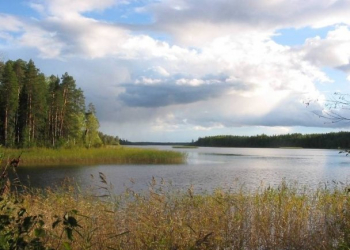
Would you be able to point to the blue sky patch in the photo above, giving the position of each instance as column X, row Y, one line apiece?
column 123, row 14
column 294, row 37
column 17, row 7
column 339, row 78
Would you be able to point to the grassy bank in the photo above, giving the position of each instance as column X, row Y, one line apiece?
column 163, row 218
column 78, row 156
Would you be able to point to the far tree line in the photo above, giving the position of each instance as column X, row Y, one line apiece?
column 327, row 141
column 41, row 111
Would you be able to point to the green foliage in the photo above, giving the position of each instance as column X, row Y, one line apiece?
column 22, row 231
column 91, row 135
column 330, row 140
column 19, row 230
column 8, row 103
column 108, row 139
column 40, row 111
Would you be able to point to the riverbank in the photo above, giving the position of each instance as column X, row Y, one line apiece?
column 166, row 218
column 81, row 156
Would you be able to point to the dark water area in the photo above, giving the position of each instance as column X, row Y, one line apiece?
column 207, row 169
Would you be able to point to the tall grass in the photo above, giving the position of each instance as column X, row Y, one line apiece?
column 77, row 156
column 165, row 218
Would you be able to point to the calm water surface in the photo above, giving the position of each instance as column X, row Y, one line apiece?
column 210, row 168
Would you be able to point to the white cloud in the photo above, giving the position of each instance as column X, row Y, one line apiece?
column 69, row 8
column 332, row 51
column 191, row 82
column 13, row 24
column 147, row 81
column 158, row 70
column 235, row 75
column 196, row 22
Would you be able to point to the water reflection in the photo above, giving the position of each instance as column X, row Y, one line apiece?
column 209, row 168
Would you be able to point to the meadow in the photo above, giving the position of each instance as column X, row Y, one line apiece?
column 104, row 155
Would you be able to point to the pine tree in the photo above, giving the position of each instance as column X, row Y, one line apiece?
column 27, row 96
column 19, row 67
column 40, row 111
column 54, row 101
column 72, row 110
column 8, row 103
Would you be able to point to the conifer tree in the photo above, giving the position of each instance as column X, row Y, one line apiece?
column 54, row 101
column 72, row 110
column 8, row 103
column 40, row 111
column 19, row 67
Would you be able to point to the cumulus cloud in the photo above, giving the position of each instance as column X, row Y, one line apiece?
column 68, row 8
column 197, row 21
column 219, row 68
column 332, row 51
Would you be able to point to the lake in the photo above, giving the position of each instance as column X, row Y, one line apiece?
column 210, row 168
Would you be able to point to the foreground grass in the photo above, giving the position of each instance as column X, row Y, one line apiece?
column 164, row 218
column 77, row 156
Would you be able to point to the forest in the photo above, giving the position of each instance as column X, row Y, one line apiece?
column 44, row 111
column 326, row 141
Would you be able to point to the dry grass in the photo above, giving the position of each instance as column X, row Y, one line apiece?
column 108, row 155
column 163, row 218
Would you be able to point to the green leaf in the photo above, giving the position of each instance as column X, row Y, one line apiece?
column 56, row 223
column 67, row 246
column 39, row 232
column 21, row 212
column 41, row 223
column 27, row 223
column 74, row 211
column 72, row 221
column 69, row 233
column 4, row 219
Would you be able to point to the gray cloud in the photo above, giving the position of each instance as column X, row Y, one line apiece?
column 267, row 13
column 170, row 93
column 345, row 68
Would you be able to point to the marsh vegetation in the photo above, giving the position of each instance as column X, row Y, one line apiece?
column 286, row 217
column 81, row 156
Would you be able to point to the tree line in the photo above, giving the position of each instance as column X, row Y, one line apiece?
column 327, row 141
column 41, row 111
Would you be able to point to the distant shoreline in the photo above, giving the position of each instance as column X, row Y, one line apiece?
column 338, row 140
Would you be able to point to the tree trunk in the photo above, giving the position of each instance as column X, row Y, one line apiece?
column 6, row 126
column 30, row 117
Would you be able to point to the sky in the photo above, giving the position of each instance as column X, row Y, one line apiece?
column 176, row 70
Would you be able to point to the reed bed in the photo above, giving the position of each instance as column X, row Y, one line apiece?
column 107, row 155
column 165, row 218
